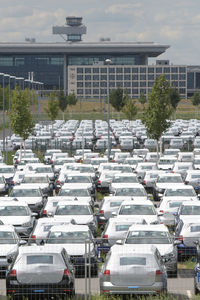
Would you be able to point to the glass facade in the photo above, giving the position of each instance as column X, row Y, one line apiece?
column 46, row 68
column 134, row 59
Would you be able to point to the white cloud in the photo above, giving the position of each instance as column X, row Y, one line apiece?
column 125, row 9
column 171, row 33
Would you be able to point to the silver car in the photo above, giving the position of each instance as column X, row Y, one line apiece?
column 133, row 271
column 40, row 271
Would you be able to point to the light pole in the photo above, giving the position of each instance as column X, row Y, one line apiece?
column 11, row 77
column 108, row 62
column 2, row 74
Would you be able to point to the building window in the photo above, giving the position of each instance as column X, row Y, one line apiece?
column 103, row 77
column 96, row 91
column 134, row 70
column 111, row 77
column 158, row 70
column 150, row 83
column 174, row 70
column 182, row 69
column 127, row 77
column 87, row 70
column 88, row 91
column 166, row 70
column 127, row 70
column 96, row 70
column 57, row 61
column 19, row 61
column 79, row 84
column 143, row 83
column 119, row 70
column 88, row 84
column 182, row 76
column 95, row 77
column 150, row 77
column 87, row 77
column 182, row 91
column 79, row 91
column 142, row 70
column 119, row 84
column 103, row 70
column 167, row 76
column 79, row 77
column 111, row 70
column 119, row 77
column 190, row 80
column 80, row 70
column 95, row 84
column 174, row 76
column 103, row 84
column 135, row 83
column 150, row 70
column 135, row 91
column 112, row 84
column 134, row 77
column 182, row 83
column 142, row 77
column 127, row 84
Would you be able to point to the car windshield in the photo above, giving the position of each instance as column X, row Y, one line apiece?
column 74, row 193
column 7, row 237
column 35, row 180
column 166, row 162
column 43, row 170
column 170, row 179
column 73, row 210
column 137, row 210
column 134, row 192
column 175, row 204
column 126, row 261
column 13, row 211
column 148, row 237
column 180, row 192
column 190, row 210
column 75, row 237
column 77, row 179
column 125, row 179
column 39, row 259
column 1, row 180
column 122, row 169
column 6, row 170
column 195, row 228
column 25, row 193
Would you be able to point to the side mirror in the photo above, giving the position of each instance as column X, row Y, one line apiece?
column 50, row 214
column 22, row 242
column 9, row 260
column 114, row 214
column 34, row 214
column 177, row 242
column 119, row 242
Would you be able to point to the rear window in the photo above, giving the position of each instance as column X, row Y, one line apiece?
column 39, row 259
column 195, row 228
column 115, row 204
column 175, row 204
column 125, row 261
column 122, row 227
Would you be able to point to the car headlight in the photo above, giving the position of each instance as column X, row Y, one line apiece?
column 27, row 224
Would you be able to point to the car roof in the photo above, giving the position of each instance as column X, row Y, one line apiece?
column 69, row 228
column 137, row 202
column 24, row 186
column 7, row 228
column 13, row 203
column 35, row 249
column 73, row 203
column 192, row 203
column 149, row 227
column 137, row 249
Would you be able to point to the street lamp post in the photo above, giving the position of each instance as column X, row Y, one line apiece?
column 2, row 74
column 108, row 62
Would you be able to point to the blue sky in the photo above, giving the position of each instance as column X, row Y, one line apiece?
column 171, row 22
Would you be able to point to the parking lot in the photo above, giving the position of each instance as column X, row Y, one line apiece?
column 122, row 218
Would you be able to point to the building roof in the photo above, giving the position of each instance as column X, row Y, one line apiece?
column 149, row 48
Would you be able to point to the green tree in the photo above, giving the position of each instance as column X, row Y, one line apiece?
column 130, row 109
column 158, row 111
column 72, row 99
column 52, row 107
column 117, row 99
column 175, row 98
column 196, row 101
column 21, row 122
column 62, row 102
column 142, row 99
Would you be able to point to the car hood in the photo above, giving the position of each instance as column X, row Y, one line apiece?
column 85, row 219
column 6, row 249
column 30, row 200
column 15, row 220
column 165, row 185
column 180, row 198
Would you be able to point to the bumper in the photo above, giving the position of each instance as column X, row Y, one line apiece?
column 108, row 288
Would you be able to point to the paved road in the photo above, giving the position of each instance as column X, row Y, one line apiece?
column 181, row 287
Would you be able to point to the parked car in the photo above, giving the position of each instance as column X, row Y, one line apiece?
column 131, row 271
column 41, row 271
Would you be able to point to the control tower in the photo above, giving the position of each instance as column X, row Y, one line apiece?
column 73, row 29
